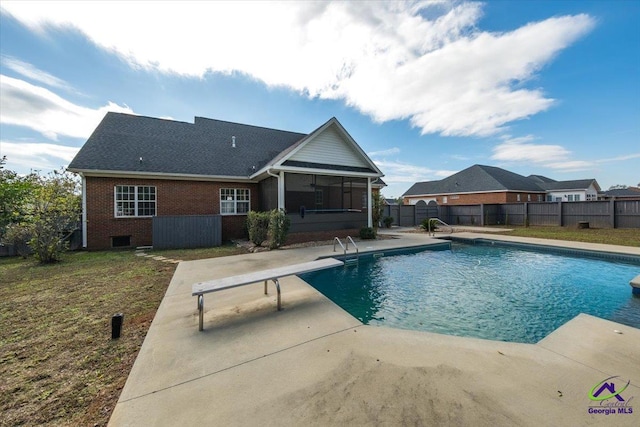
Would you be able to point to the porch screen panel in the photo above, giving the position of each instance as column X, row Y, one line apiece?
column 323, row 193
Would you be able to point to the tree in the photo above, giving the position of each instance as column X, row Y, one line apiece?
column 42, row 211
column 378, row 206
column 15, row 196
column 618, row 187
column 54, row 215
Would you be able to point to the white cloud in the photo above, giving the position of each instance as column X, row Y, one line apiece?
column 399, row 176
column 23, row 104
column 556, row 157
column 394, row 150
column 423, row 61
column 29, row 71
column 521, row 150
column 27, row 156
column 571, row 165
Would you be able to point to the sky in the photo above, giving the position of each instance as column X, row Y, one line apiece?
column 427, row 89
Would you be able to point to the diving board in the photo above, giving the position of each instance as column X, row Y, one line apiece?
column 215, row 285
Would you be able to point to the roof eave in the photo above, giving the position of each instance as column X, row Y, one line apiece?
column 456, row 193
column 159, row 175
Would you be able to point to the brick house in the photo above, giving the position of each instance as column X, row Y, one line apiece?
column 134, row 168
column 481, row 184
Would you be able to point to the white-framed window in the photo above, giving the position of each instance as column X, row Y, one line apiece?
column 528, row 197
column 134, row 200
column 576, row 198
column 570, row 198
column 444, row 199
column 517, row 197
column 539, row 197
column 235, row 201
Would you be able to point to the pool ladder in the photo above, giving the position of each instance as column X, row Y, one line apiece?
column 345, row 248
column 439, row 221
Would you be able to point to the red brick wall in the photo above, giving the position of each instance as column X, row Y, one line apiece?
column 480, row 198
column 172, row 198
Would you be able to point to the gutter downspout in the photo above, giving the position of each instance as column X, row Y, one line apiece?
column 280, row 178
column 84, row 211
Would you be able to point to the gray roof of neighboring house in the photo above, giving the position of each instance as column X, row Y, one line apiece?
column 166, row 146
column 477, row 178
column 541, row 178
column 578, row 184
column 622, row 192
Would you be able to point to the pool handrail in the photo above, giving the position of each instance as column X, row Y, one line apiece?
column 346, row 248
column 441, row 222
column 349, row 239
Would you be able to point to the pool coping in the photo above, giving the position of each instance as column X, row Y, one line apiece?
column 314, row 363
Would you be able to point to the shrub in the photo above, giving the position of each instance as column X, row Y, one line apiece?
column 19, row 236
column 54, row 214
column 258, row 227
column 425, row 224
column 367, row 233
column 387, row 221
column 279, row 224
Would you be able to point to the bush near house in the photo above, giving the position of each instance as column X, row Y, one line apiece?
column 367, row 233
column 425, row 224
column 272, row 226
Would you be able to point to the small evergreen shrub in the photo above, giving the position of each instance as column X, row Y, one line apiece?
column 279, row 224
column 387, row 220
column 258, row 226
column 367, row 233
column 425, row 224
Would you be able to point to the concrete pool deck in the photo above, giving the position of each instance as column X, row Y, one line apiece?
column 314, row 364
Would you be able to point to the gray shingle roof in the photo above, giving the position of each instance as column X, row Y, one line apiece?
column 622, row 192
column 477, row 178
column 166, row 146
column 578, row 184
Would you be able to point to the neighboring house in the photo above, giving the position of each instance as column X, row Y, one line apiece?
column 629, row 193
column 481, row 184
column 390, row 202
column 134, row 168
column 580, row 190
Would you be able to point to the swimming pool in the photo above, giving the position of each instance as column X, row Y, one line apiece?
column 483, row 291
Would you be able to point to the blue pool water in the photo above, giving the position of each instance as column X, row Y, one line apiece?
column 482, row 291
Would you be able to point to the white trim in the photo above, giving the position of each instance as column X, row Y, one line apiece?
column 135, row 201
column 235, row 201
column 281, row 192
column 313, row 171
column 84, row 211
column 165, row 176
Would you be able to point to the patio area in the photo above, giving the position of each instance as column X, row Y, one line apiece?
column 312, row 363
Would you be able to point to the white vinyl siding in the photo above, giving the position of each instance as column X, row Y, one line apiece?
column 329, row 148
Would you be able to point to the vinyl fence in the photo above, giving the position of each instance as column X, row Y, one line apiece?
column 599, row 214
column 193, row 231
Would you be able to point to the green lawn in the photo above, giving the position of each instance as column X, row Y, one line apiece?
column 618, row 236
column 58, row 363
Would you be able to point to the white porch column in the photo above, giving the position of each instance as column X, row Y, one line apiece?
column 281, row 190
column 369, row 204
